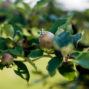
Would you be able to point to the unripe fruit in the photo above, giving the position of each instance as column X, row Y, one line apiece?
column 46, row 39
column 7, row 58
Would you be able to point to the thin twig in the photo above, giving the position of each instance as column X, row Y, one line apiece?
column 49, row 56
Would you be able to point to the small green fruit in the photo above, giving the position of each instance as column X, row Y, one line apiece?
column 7, row 59
column 46, row 40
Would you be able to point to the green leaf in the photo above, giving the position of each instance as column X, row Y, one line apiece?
column 36, row 53
column 63, row 39
column 58, row 54
column 5, row 12
column 68, row 71
column 82, row 60
column 34, row 41
column 85, row 38
column 7, row 31
column 22, row 70
column 57, row 24
column 52, row 73
column 27, row 7
column 19, row 19
column 18, row 1
column 3, row 44
column 76, row 38
column 21, row 10
column 53, row 64
column 16, row 51
column 74, row 55
column 20, row 33
column 40, row 5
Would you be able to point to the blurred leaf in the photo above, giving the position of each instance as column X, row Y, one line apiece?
column 18, row 19
column 27, row 6
column 57, row 24
column 20, row 33
column 69, row 28
column 85, row 37
column 22, row 70
column 76, row 38
column 36, row 53
column 58, row 54
column 67, row 71
column 21, row 10
column 82, row 60
column 18, row 30
column 33, row 41
column 9, row 42
column 18, row 1
column 7, row 31
column 53, row 64
column 3, row 45
column 52, row 73
column 74, row 55
column 63, row 39
column 40, row 5
column 16, row 51
column 5, row 12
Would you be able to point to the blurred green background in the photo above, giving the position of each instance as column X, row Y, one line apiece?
column 9, row 80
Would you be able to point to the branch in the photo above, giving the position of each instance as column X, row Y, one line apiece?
column 49, row 56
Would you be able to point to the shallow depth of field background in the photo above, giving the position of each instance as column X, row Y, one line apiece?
column 8, row 79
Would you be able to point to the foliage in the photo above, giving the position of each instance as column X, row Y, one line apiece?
column 19, row 36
